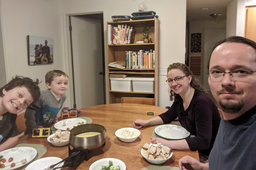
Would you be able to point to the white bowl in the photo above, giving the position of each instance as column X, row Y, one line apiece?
column 99, row 163
column 155, row 161
column 59, row 143
column 127, row 134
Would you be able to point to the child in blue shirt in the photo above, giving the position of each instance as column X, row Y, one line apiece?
column 45, row 111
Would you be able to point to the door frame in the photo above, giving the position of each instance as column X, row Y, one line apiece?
column 68, row 56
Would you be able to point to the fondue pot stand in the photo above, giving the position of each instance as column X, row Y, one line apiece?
column 83, row 148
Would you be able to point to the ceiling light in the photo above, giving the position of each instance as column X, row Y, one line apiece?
column 215, row 15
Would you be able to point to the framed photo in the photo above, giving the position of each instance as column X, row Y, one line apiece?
column 196, row 43
column 40, row 50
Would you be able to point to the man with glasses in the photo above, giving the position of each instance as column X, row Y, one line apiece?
column 232, row 80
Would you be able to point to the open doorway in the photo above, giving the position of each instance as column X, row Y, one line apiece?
column 87, row 56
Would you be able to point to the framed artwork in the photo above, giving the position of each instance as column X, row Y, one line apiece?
column 195, row 43
column 195, row 65
column 40, row 50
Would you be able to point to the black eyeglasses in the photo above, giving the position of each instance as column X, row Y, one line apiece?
column 176, row 79
column 236, row 75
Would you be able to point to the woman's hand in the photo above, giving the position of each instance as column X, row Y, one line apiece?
column 189, row 163
column 139, row 124
column 160, row 140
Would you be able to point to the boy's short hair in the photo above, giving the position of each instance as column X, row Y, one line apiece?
column 20, row 81
column 52, row 74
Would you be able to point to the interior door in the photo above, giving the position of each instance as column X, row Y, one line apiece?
column 88, row 60
column 250, row 23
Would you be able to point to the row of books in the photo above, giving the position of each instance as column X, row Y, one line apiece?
column 120, row 34
column 140, row 60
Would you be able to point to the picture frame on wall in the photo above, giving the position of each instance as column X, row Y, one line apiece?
column 196, row 42
column 40, row 50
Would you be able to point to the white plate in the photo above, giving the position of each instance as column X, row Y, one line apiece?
column 44, row 163
column 171, row 131
column 99, row 163
column 68, row 124
column 18, row 154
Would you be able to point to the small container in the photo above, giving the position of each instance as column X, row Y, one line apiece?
column 121, row 84
column 143, row 84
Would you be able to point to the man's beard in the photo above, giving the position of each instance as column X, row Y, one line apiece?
column 231, row 107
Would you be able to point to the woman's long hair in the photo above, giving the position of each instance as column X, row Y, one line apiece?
column 194, row 82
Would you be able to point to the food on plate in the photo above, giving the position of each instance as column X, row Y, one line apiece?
column 88, row 134
column 156, row 151
column 60, row 136
column 10, row 163
column 127, row 133
column 80, row 123
column 64, row 123
column 110, row 166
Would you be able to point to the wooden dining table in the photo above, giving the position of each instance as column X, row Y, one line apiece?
column 114, row 117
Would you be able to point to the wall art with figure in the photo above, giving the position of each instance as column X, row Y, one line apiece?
column 40, row 50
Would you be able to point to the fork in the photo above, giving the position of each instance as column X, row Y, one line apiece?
column 52, row 167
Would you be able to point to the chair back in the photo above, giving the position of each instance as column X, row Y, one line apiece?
column 139, row 100
column 20, row 122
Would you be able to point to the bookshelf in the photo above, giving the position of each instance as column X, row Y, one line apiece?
column 136, row 57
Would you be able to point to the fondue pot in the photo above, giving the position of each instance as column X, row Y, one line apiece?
column 84, row 147
column 90, row 143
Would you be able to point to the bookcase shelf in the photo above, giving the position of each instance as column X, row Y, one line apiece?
column 144, row 65
column 123, row 45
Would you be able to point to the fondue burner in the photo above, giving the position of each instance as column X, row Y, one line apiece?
column 80, row 156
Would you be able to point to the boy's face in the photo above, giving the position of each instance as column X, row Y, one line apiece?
column 59, row 85
column 16, row 99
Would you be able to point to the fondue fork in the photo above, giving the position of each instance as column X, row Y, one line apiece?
column 52, row 167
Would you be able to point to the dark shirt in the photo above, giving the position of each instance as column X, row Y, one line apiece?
column 201, row 119
column 234, row 147
column 8, row 127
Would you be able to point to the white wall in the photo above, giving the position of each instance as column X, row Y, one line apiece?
column 48, row 18
column 2, row 67
column 172, row 16
column 29, row 17
column 231, row 18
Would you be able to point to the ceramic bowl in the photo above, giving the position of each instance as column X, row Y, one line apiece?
column 127, row 134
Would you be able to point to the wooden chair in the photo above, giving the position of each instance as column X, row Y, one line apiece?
column 20, row 122
column 140, row 100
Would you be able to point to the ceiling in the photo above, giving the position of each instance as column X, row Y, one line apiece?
column 202, row 9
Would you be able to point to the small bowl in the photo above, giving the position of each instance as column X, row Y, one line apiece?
column 99, row 163
column 127, row 134
column 58, row 143
column 155, row 161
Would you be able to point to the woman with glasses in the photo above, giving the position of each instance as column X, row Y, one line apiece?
column 194, row 109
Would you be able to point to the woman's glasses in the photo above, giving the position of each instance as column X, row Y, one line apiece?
column 176, row 79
